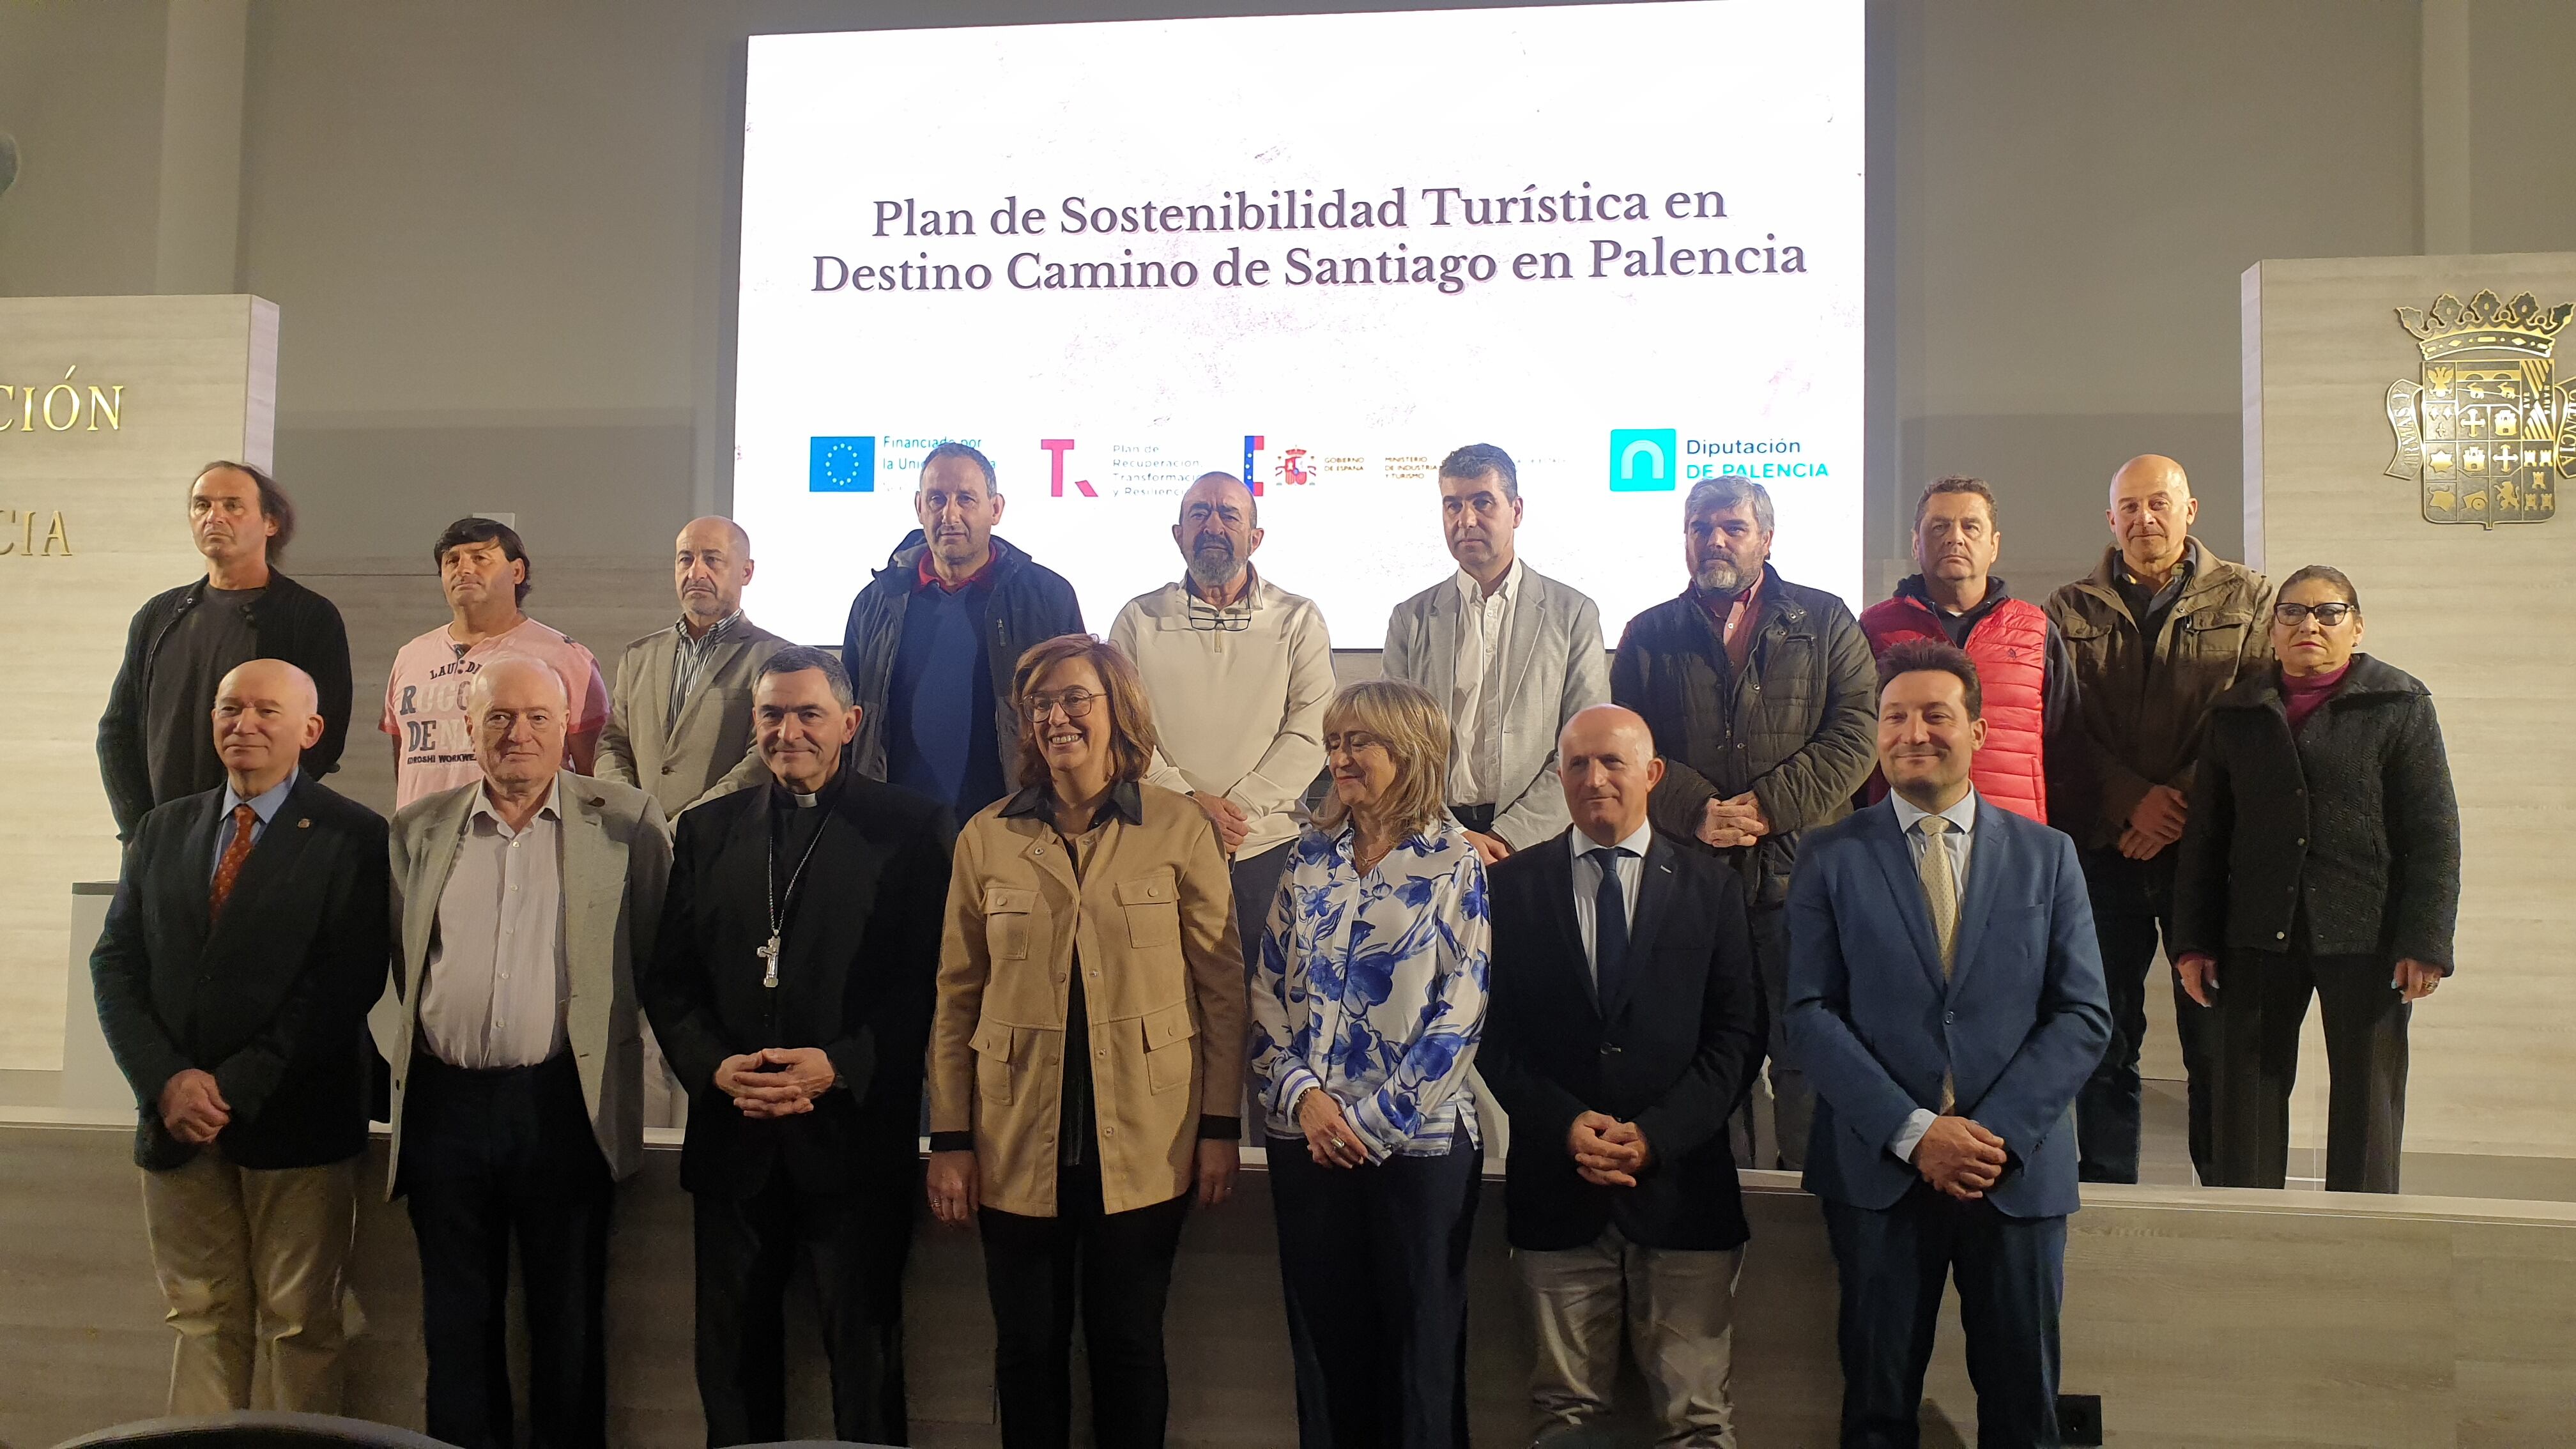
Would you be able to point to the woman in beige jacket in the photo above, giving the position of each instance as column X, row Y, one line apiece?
column 1086, row 1060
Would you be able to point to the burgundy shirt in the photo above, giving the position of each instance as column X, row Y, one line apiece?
column 2301, row 697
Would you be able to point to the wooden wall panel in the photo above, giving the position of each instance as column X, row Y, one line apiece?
column 197, row 374
column 2483, row 616
column 2208, row 1318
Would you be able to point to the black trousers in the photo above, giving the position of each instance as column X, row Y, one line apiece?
column 854, row 1245
column 1782, row 1091
column 1374, row 1264
column 2132, row 912
column 488, row 1157
column 2262, row 1003
column 2012, row 1277
column 1118, row 1268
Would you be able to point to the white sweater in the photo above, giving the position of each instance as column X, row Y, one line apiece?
column 1240, row 709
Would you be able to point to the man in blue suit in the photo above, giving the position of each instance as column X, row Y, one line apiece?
column 1946, row 1000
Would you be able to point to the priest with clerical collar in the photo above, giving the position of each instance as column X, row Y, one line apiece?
column 791, row 990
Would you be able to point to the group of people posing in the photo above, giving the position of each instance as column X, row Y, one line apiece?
column 1873, row 897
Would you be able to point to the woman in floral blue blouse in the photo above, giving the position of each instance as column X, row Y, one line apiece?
column 1368, row 997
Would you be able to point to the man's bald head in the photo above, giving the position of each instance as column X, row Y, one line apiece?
column 272, row 679
column 711, row 564
column 515, row 677
column 2150, row 470
column 517, row 708
column 1607, row 723
column 267, row 714
column 1605, row 760
column 2151, row 514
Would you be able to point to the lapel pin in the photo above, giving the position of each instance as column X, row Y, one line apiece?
column 304, row 824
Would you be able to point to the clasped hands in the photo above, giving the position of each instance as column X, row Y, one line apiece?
column 1733, row 820
column 1959, row 1157
column 776, row 1081
column 1607, row 1151
column 2155, row 822
column 193, row 1107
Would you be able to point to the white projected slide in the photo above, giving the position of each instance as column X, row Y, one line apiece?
column 1319, row 252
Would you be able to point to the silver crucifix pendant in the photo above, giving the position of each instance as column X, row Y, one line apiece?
column 769, row 955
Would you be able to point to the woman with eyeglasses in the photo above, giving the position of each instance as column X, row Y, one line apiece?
column 1368, row 999
column 2322, row 858
column 1086, row 1055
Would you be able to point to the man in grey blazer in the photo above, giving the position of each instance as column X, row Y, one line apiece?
column 679, row 721
column 1510, row 654
column 524, row 903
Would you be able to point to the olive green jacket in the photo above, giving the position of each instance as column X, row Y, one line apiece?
column 2139, row 727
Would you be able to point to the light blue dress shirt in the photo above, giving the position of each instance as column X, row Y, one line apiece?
column 1959, row 841
column 267, row 803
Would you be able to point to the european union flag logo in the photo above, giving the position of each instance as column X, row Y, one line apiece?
column 843, row 465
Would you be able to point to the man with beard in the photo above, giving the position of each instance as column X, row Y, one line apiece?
column 933, row 638
column 1762, row 697
column 1237, row 670
column 791, row 988
column 1511, row 654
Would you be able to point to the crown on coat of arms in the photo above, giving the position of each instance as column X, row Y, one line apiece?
column 2485, row 320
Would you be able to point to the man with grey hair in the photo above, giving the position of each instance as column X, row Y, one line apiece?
column 1510, row 653
column 791, row 988
column 1238, row 671
column 1763, row 698
column 526, row 902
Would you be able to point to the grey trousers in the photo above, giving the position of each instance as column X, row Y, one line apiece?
column 1678, row 1309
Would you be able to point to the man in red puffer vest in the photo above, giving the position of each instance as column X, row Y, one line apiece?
column 2022, row 665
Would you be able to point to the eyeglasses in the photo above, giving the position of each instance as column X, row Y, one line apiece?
column 1076, row 703
column 1208, row 619
column 2328, row 615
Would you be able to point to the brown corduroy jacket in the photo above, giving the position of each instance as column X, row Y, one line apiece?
column 1150, row 923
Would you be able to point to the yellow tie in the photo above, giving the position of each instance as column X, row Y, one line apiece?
column 1940, row 889
column 1941, row 894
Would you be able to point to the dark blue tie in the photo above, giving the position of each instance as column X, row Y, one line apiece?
column 1609, row 926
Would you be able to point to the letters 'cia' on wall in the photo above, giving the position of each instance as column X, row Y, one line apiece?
column 19, row 529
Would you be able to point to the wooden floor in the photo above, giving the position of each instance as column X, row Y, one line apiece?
column 2203, row 1318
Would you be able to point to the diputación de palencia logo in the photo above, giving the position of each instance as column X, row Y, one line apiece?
column 1346, row 260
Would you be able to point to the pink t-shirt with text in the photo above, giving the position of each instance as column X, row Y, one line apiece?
column 425, row 701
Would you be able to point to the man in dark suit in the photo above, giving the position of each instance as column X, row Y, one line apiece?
column 248, row 936
column 1624, row 1024
column 1946, row 999
column 791, row 988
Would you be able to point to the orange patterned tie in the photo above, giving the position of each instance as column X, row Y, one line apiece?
column 237, row 850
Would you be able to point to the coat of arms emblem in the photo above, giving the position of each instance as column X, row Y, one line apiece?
column 2488, row 432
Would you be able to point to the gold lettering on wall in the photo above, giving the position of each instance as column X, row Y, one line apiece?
column 65, row 407
column 18, row 533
